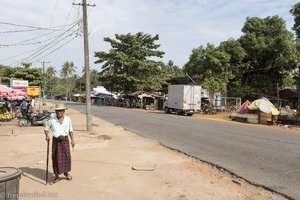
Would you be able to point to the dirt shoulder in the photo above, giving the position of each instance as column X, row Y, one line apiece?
column 104, row 162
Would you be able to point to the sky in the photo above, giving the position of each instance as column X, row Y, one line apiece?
column 45, row 30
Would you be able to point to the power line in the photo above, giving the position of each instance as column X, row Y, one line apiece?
column 53, row 13
column 69, row 12
column 33, row 27
column 57, row 48
column 51, row 42
column 29, row 30
column 47, row 46
column 26, row 42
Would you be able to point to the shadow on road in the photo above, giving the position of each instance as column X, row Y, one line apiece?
column 35, row 174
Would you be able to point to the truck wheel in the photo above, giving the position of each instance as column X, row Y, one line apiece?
column 189, row 114
column 167, row 110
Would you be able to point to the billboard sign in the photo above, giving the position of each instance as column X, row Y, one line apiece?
column 19, row 84
column 33, row 91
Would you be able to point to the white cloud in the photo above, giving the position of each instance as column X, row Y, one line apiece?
column 181, row 24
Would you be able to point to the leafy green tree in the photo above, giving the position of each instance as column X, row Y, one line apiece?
column 5, row 74
column 95, row 78
column 198, row 64
column 215, row 66
column 171, row 70
column 233, row 66
column 32, row 75
column 295, row 11
column 128, row 64
column 26, row 65
column 206, row 67
column 269, row 53
column 289, row 81
column 212, row 84
column 80, row 85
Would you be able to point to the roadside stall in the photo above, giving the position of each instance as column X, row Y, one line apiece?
column 5, row 115
column 260, row 111
column 268, row 113
column 9, row 97
column 243, row 114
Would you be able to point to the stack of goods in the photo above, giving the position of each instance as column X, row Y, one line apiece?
column 5, row 115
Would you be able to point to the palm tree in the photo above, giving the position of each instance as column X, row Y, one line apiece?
column 94, row 74
column 67, row 71
column 50, row 79
column 50, row 72
column 94, row 77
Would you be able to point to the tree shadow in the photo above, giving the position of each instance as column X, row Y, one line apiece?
column 36, row 174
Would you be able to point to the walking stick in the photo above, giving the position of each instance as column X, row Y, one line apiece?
column 47, row 162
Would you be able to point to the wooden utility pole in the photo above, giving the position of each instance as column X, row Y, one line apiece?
column 87, row 67
column 225, row 86
column 278, row 99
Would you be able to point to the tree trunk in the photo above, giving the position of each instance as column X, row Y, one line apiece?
column 211, row 98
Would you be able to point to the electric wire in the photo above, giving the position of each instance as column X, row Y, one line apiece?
column 54, row 11
column 52, row 43
column 62, row 39
column 33, row 27
column 31, row 59
column 27, row 52
column 43, row 50
column 69, row 14
column 25, row 42
column 57, row 48
column 29, row 30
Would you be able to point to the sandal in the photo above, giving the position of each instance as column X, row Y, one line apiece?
column 55, row 180
column 68, row 176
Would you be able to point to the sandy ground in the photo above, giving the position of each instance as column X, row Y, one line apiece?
column 103, row 162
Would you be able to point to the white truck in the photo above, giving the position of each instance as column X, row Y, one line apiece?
column 183, row 99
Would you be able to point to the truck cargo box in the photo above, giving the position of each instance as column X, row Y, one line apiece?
column 183, row 99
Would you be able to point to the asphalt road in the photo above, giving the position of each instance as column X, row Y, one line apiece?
column 263, row 155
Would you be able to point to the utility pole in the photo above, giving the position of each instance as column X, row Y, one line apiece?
column 278, row 100
column 225, row 86
column 87, row 66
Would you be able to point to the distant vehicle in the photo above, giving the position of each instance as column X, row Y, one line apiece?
column 47, row 96
column 183, row 99
column 60, row 97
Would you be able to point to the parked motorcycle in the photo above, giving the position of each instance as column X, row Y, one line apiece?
column 34, row 120
column 207, row 109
